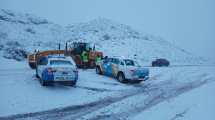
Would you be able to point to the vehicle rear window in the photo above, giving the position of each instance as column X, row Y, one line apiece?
column 43, row 61
column 129, row 62
column 60, row 62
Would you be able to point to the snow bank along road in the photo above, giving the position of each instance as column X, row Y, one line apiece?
column 95, row 96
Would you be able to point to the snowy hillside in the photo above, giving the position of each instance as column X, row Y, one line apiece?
column 24, row 32
column 20, row 34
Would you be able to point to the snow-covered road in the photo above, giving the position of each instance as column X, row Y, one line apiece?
column 95, row 96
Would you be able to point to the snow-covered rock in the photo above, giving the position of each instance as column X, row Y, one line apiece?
column 112, row 38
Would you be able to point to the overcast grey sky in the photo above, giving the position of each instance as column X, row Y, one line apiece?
column 189, row 24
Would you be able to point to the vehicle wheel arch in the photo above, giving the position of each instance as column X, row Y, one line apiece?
column 118, row 75
column 120, row 72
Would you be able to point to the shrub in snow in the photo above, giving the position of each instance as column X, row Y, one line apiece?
column 95, row 31
column 4, row 18
column 21, row 22
column 14, row 50
column 37, row 21
column 113, row 27
column 106, row 37
column 1, row 47
column 8, row 13
column 13, row 44
column 30, row 30
column 15, row 53
column 3, row 35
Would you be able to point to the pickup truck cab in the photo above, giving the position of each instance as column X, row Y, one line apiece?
column 122, row 69
column 56, row 69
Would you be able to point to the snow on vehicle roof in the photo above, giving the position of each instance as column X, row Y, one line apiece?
column 59, row 57
column 65, row 58
column 121, row 57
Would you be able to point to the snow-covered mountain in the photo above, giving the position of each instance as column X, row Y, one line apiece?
column 21, row 34
column 24, row 32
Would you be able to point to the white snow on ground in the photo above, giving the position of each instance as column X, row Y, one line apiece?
column 194, row 105
column 165, row 85
column 21, row 93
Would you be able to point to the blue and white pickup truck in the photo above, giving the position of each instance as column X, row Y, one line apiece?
column 122, row 69
column 56, row 69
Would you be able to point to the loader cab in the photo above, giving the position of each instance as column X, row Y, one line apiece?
column 79, row 47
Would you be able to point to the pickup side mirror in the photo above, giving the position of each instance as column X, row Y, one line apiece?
column 105, row 61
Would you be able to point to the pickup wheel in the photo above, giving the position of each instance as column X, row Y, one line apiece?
column 72, row 83
column 98, row 70
column 121, row 77
column 37, row 76
column 43, row 83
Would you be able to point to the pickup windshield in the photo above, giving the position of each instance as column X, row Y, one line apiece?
column 129, row 62
column 60, row 62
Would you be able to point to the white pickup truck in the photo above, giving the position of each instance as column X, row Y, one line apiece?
column 123, row 69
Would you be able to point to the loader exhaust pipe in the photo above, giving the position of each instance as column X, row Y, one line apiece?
column 66, row 49
column 59, row 46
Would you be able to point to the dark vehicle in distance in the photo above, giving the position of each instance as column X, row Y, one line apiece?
column 160, row 62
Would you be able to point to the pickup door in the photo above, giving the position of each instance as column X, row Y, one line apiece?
column 107, row 67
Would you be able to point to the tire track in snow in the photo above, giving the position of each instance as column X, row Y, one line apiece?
column 73, row 112
column 95, row 89
column 77, row 111
column 159, row 96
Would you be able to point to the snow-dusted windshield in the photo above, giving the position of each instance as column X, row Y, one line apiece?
column 60, row 62
column 129, row 62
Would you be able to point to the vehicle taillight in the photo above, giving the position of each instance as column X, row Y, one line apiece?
column 75, row 71
column 76, row 74
column 51, row 70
